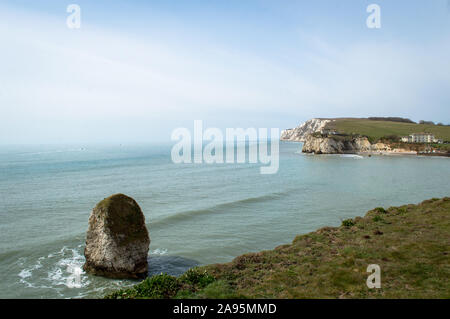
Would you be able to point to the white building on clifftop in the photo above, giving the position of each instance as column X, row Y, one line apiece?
column 420, row 138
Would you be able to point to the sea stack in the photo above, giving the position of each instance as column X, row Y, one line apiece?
column 117, row 239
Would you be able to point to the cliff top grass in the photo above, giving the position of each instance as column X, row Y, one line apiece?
column 410, row 243
column 377, row 129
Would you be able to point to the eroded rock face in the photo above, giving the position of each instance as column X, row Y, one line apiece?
column 117, row 240
column 330, row 145
column 327, row 145
column 300, row 133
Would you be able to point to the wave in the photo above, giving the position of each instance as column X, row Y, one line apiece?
column 59, row 269
column 159, row 252
column 59, row 274
column 178, row 217
column 81, row 149
column 352, row 156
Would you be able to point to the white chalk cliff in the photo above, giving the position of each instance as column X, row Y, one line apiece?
column 330, row 145
column 300, row 133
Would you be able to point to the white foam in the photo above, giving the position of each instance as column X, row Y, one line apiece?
column 66, row 270
column 25, row 273
column 74, row 280
column 159, row 251
column 352, row 156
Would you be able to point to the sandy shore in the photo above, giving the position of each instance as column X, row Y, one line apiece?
column 388, row 153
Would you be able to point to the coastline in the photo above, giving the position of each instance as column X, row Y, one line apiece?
column 388, row 153
column 409, row 243
column 294, row 204
column 370, row 136
column 394, row 152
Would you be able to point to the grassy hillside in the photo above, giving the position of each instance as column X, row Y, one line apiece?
column 410, row 243
column 378, row 129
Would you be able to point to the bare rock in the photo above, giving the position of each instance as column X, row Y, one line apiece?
column 300, row 133
column 336, row 145
column 117, row 240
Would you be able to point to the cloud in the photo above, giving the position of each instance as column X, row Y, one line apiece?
column 60, row 84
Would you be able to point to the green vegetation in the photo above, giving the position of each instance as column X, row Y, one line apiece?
column 123, row 216
column 410, row 243
column 391, row 119
column 164, row 286
column 378, row 129
column 196, row 278
column 442, row 147
column 380, row 210
column 348, row 223
column 378, row 218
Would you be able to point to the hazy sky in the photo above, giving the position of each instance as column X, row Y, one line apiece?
column 136, row 70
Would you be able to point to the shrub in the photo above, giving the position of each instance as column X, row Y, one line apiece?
column 196, row 278
column 390, row 138
column 380, row 210
column 164, row 286
column 378, row 218
column 392, row 119
column 426, row 122
column 159, row 286
column 122, row 294
column 348, row 223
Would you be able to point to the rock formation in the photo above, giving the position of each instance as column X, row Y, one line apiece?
column 319, row 138
column 117, row 240
column 336, row 145
column 300, row 133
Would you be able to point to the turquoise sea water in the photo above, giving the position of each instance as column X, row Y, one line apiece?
column 196, row 214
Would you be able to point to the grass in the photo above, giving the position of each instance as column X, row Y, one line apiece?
column 410, row 243
column 164, row 286
column 376, row 130
column 443, row 147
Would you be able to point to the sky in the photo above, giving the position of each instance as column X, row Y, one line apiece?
column 136, row 70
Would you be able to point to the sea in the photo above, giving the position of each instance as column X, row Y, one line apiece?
column 196, row 214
